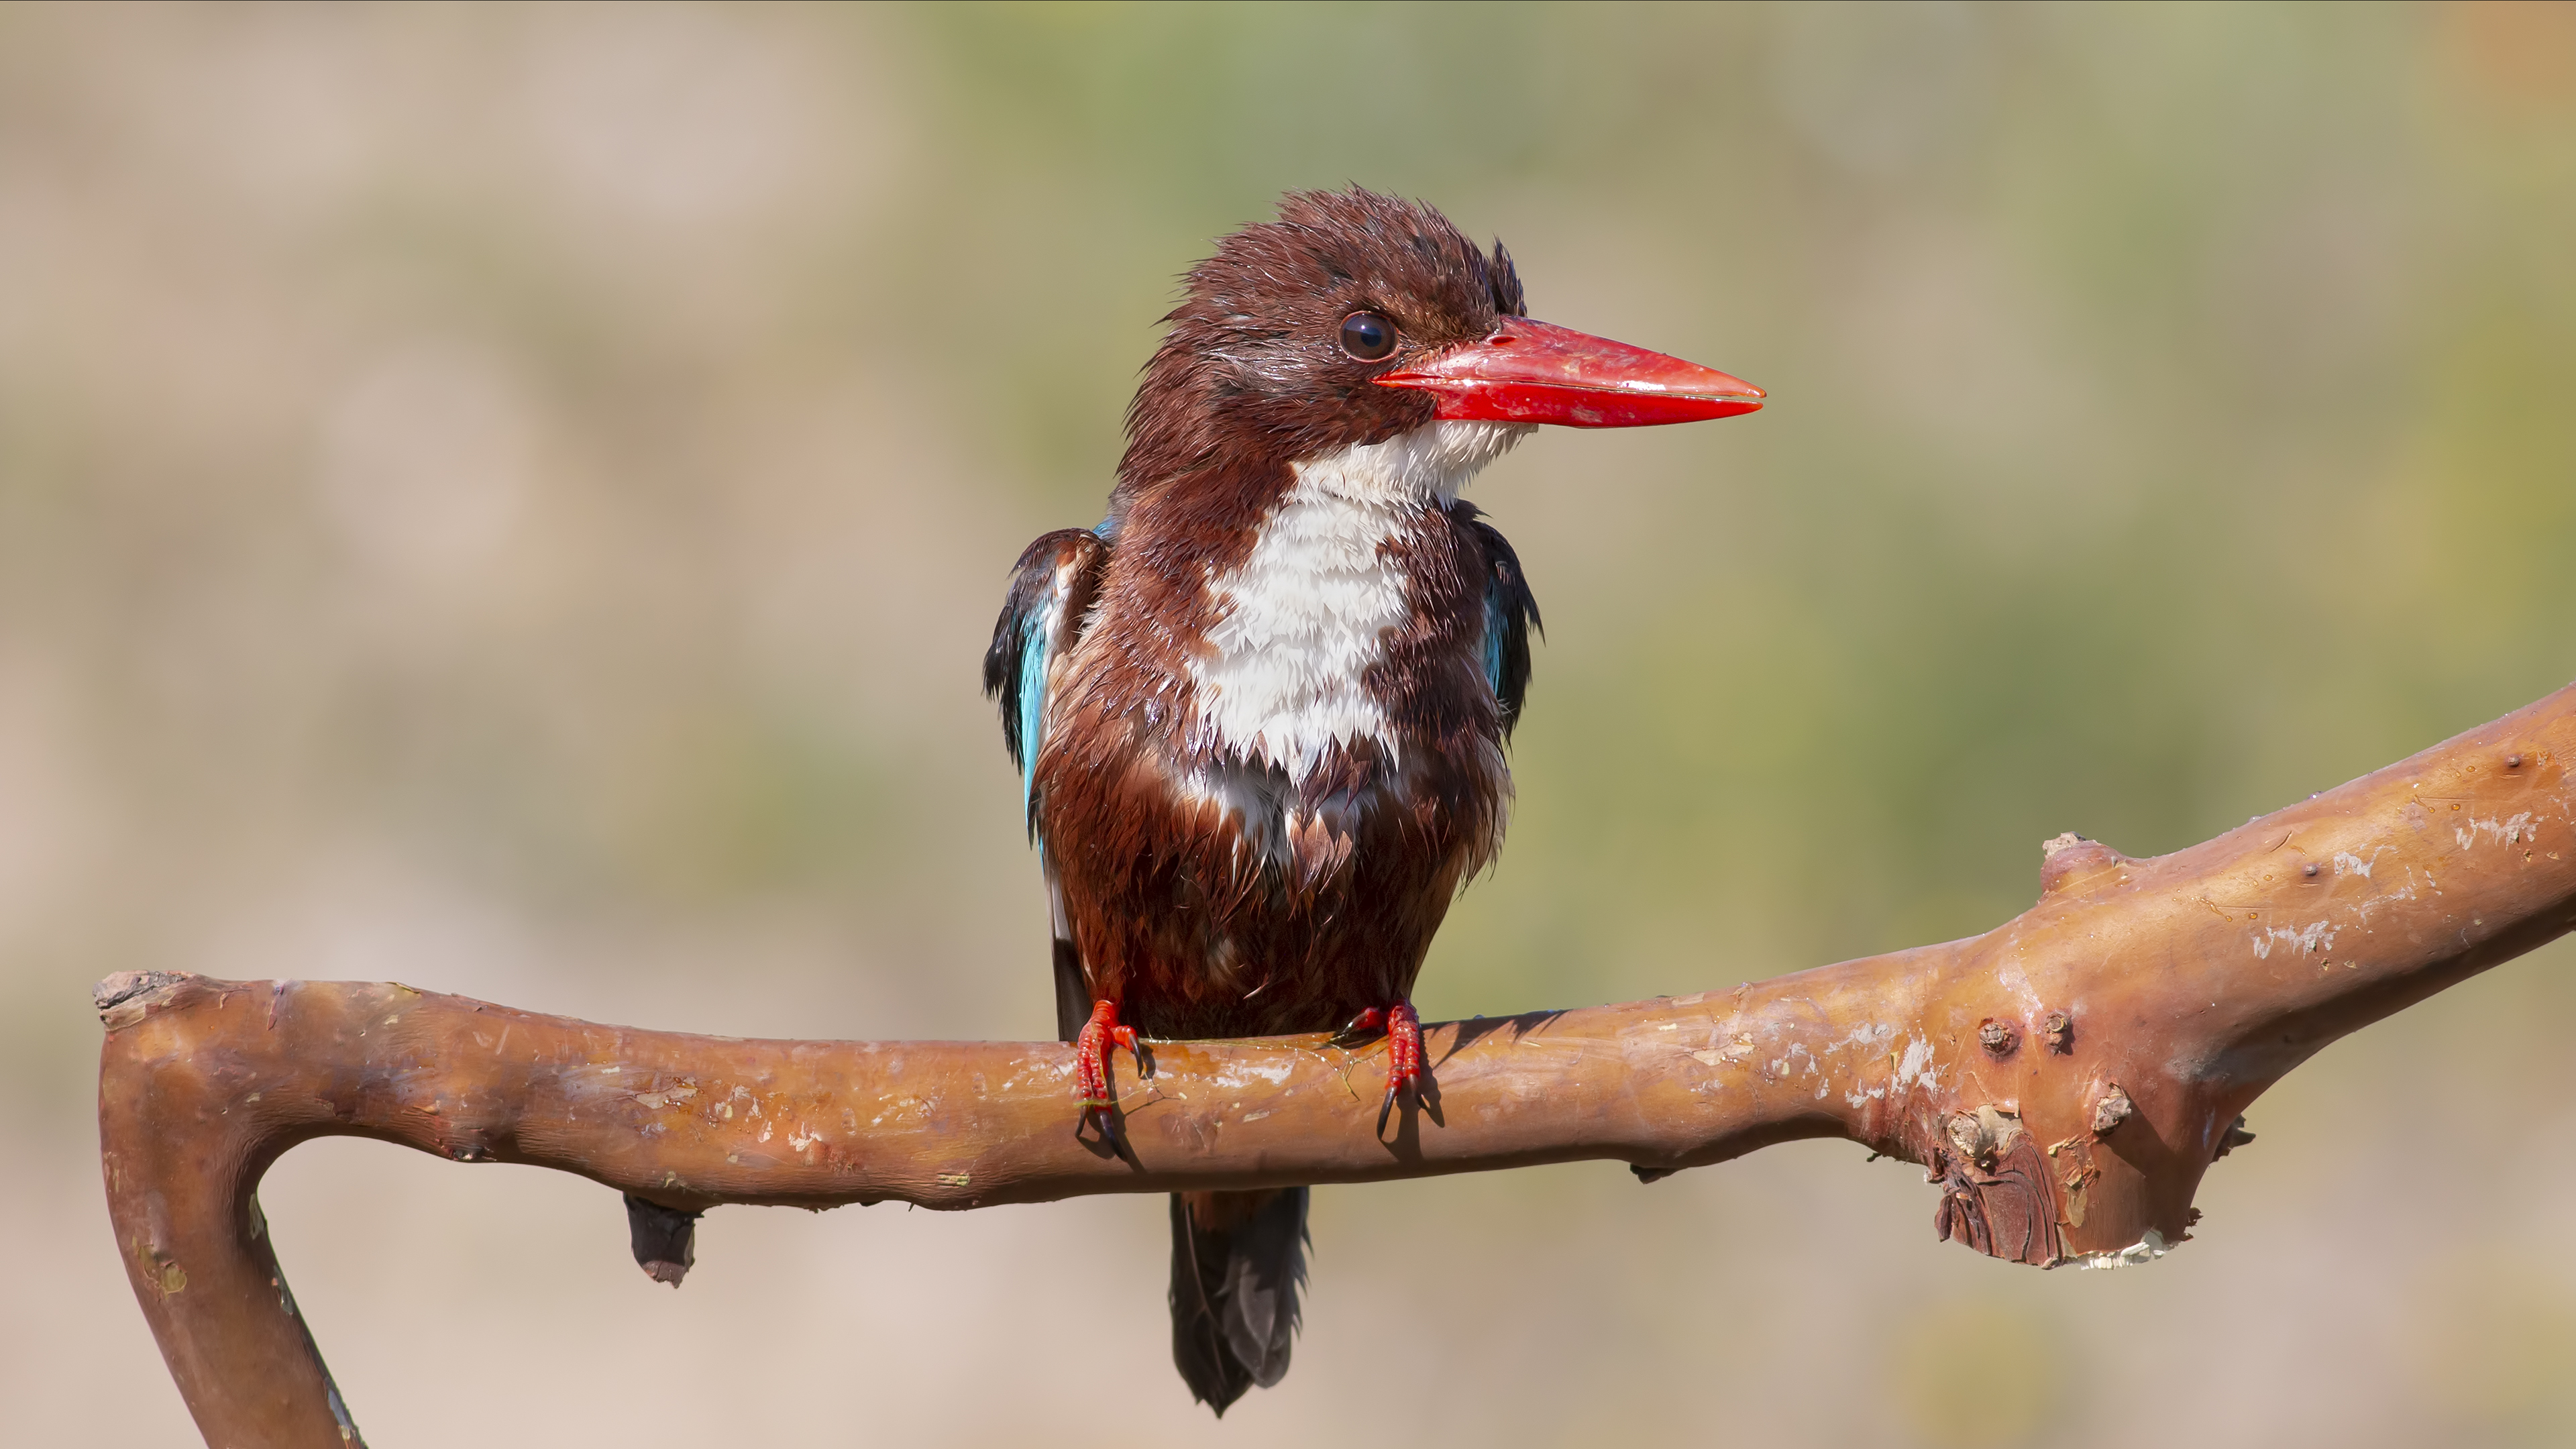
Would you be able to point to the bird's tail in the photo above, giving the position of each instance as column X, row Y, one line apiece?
column 1238, row 1266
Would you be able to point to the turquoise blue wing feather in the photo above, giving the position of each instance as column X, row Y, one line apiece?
column 1035, row 650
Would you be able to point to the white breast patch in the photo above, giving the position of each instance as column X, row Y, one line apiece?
column 1305, row 615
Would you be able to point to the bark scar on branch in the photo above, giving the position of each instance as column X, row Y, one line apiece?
column 2129, row 1018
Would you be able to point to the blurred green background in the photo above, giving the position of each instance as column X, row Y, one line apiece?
column 511, row 500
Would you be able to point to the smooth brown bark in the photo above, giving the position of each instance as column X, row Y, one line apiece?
column 2066, row 1077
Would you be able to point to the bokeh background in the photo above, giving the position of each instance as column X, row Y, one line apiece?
column 511, row 500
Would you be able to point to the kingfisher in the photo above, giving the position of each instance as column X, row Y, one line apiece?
column 1259, row 712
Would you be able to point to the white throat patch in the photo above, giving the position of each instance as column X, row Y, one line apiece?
column 1305, row 615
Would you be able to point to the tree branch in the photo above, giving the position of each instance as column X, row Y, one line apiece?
column 2066, row 1077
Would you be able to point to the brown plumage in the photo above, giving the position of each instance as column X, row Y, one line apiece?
column 1196, row 925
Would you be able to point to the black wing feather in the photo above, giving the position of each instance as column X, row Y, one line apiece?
column 1511, row 617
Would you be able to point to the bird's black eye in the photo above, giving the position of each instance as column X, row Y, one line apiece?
column 1367, row 336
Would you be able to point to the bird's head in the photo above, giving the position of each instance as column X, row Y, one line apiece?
column 1355, row 318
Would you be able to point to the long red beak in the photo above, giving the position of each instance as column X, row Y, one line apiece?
column 1538, row 372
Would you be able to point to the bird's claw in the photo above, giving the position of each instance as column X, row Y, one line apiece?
column 1403, row 1053
column 1100, row 1117
column 1360, row 1028
column 1091, row 1067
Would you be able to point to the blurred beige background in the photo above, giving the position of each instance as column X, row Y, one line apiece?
column 511, row 500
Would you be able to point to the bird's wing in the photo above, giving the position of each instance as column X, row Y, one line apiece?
column 1042, row 616
column 1048, row 607
column 1511, row 616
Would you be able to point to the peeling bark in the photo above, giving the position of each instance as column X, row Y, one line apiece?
column 2127, row 1020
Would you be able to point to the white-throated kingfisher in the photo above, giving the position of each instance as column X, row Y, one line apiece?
column 1259, row 712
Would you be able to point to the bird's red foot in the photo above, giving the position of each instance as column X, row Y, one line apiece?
column 1091, row 1065
column 1403, row 1032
